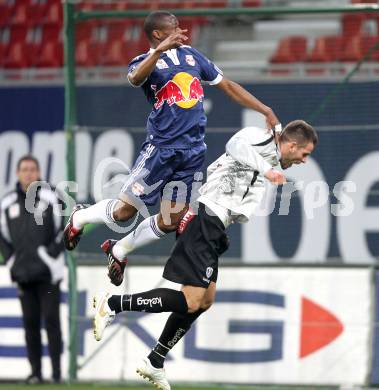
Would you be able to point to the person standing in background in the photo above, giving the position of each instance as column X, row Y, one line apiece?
column 32, row 249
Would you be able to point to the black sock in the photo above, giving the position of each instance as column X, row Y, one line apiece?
column 154, row 301
column 176, row 327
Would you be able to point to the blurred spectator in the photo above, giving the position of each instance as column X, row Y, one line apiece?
column 31, row 245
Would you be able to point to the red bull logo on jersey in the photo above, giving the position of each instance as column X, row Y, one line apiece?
column 183, row 90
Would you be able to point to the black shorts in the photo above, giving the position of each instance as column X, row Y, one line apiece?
column 194, row 259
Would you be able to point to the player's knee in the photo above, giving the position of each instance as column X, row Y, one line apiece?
column 206, row 303
column 170, row 225
column 123, row 211
column 193, row 305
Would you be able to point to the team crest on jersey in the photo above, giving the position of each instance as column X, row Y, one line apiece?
column 161, row 64
column 190, row 60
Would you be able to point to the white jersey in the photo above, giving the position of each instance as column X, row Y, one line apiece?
column 235, row 181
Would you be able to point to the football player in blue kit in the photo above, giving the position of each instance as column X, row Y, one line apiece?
column 170, row 75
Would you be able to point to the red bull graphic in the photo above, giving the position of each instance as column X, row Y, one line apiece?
column 183, row 90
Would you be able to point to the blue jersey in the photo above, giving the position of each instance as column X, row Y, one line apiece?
column 176, row 95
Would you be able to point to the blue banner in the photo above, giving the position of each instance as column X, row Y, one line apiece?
column 31, row 120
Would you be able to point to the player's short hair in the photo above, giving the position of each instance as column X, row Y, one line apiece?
column 154, row 21
column 27, row 157
column 299, row 131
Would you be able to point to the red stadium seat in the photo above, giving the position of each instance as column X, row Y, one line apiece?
column 173, row 4
column 133, row 4
column 51, row 33
column 51, row 55
column 352, row 24
column 115, row 54
column 351, row 50
column 17, row 56
column 85, row 30
column 364, row 1
column 21, row 16
column 3, row 52
column 28, row 13
column 18, row 34
column 6, row 11
column 135, row 48
column 54, row 14
column 326, row 49
column 251, row 3
column 290, row 49
column 87, row 54
column 356, row 49
column 210, row 4
column 193, row 25
column 117, row 30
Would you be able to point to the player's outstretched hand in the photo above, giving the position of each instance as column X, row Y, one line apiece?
column 275, row 177
column 173, row 41
column 271, row 119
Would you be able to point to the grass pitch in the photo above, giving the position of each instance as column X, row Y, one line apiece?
column 93, row 386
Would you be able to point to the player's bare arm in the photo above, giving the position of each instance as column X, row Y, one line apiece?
column 246, row 99
column 144, row 69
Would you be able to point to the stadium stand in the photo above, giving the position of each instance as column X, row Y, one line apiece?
column 31, row 36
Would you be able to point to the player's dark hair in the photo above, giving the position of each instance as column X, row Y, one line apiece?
column 27, row 157
column 154, row 21
column 299, row 131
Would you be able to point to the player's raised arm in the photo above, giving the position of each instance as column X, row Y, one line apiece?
column 144, row 69
column 246, row 99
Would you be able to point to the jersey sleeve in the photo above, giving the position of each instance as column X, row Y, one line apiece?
column 209, row 71
column 133, row 65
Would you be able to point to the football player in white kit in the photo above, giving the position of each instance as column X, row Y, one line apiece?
column 233, row 190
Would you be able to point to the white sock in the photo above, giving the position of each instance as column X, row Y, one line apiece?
column 101, row 212
column 146, row 232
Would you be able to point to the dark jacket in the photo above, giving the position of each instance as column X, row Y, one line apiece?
column 21, row 235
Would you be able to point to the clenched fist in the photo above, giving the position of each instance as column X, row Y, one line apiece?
column 275, row 177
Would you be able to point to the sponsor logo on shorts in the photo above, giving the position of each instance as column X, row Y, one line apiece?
column 149, row 301
column 137, row 189
column 209, row 272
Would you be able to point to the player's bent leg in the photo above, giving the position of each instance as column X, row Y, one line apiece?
column 194, row 297
column 106, row 211
column 124, row 210
column 157, row 376
column 149, row 230
column 145, row 233
column 104, row 315
column 170, row 215
column 209, row 297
